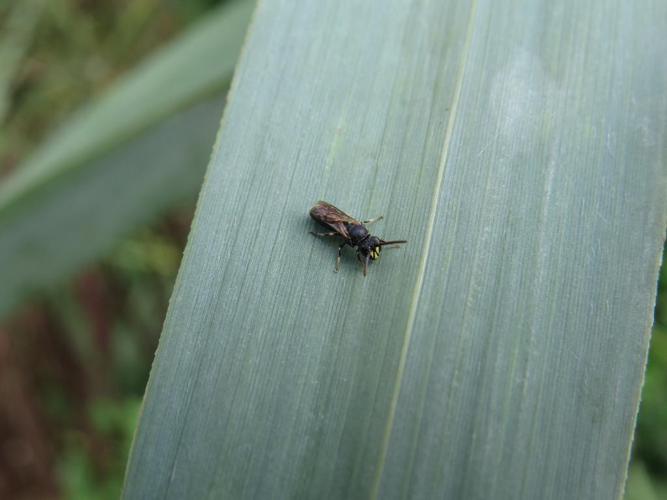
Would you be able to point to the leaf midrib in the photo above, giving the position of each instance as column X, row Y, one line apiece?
column 426, row 247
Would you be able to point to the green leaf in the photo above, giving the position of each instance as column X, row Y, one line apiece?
column 640, row 486
column 519, row 147
column 138, row 150
column 17, row 33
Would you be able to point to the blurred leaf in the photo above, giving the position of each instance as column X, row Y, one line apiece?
column 137, row 151
column 519, row 147
column 639, row 485
column 651, row 434
column 15, row 39
column 113, row 418
column 74, row 471
column 114, row 421
column 129, row 369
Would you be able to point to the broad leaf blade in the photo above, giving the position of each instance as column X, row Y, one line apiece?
column 137, row 151
column 500, row 353
column 529, row 349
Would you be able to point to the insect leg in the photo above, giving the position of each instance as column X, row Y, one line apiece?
column 340, row 251
column 365, row 262
column 332, row 233
column 370, row 221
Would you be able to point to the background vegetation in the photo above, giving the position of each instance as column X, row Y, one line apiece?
column 74, row 361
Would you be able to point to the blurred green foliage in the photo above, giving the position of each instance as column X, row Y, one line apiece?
column 79, row 48
column 650, row 447
column 84, row 356
column 114, row 421
column 76, row 362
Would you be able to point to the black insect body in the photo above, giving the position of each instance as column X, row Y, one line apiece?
column 353, row 232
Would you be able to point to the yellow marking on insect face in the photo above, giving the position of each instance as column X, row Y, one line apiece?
column 375, row 253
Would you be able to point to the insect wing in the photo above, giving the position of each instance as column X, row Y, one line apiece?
column 325, row 213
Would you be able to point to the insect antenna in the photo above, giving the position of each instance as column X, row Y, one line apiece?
column 383, row 243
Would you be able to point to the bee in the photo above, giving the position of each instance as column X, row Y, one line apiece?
column 353, row 232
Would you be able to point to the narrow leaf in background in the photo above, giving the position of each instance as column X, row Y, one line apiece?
column 519, row 147
column 22, row 19
column 133, row 154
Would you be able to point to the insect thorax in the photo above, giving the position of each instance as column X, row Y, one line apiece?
column 357, row 233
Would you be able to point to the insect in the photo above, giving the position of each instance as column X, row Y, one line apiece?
column 353, row 232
